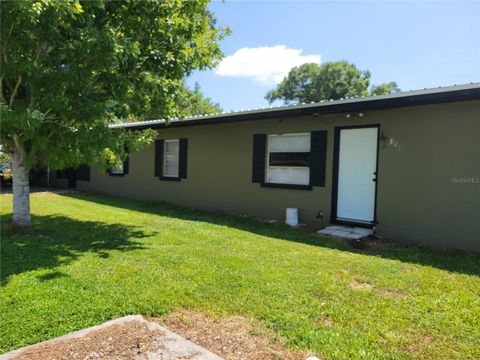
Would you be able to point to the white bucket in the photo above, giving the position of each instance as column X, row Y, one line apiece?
column 291, row 217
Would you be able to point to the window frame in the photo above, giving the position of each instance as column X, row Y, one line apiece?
column 115, row 171
column 266, row 183
column 164, row 157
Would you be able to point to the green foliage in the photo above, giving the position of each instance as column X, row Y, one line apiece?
column 190, row 102
column 4, row 157
column 385, row 88
column 104, row 257
column 70, row 68
column 7, row 174
column 332, row 80
column 186, row 102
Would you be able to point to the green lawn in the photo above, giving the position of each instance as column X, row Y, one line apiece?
column 92, row 258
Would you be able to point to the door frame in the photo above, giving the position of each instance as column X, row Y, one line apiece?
column 336, row 158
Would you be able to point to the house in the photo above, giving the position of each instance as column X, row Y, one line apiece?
column 407, row 164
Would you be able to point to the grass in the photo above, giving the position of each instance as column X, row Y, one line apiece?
column 92, row 258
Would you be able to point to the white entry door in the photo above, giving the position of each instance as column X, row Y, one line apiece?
column 357, row 164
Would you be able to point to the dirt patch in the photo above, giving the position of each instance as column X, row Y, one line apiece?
column 393, row 294
column 372, row 243
column 327, row 322
column 420, row 346
column 231, row 338
column 361, row 286
column 132, row 340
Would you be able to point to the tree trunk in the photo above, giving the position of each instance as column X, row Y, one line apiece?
column 21, row 191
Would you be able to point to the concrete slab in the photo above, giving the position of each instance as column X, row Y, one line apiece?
column 346, row 232
column 365, row 231
column 173, row 346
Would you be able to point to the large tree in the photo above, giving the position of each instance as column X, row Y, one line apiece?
column 384, row 88
column 70, row 68
column 332, row 80
column 186, row 102
column 190, row 102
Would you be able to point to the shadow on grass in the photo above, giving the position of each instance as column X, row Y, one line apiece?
column 51, row 276
column 57, row 240
column 454, row 261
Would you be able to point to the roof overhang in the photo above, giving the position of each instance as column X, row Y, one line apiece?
column 381, row 102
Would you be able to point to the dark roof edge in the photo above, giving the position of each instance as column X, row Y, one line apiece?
column 421, row 97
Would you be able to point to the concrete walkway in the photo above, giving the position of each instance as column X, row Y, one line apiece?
column 172, row 346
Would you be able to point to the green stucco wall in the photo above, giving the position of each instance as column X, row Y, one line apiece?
column 419, row 199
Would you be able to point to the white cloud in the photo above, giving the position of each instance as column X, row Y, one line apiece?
column 267, row 65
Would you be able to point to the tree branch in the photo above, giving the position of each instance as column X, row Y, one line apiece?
column 15, row 90
column 38, row 53
column 58, row 124
column 4, row 48
column 31, row 101
column 43, row 46
column 19, row 147
column 1, row 88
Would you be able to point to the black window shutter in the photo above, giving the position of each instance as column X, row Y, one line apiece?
column 318, row 157
column 126, row 163
column 182, row 157
column 158, row 158
column 258, row 166
column 83, row 173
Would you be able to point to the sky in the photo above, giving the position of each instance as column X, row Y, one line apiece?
column 418, row 44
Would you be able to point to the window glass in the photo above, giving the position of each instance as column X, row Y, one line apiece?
column 171, row 158
column 289, row 143
column 294, row 176
column 117, row 167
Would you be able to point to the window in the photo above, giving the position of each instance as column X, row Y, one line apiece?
column 171, row 158
column 291, row 161
column 288, row 159
column 117, row 168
